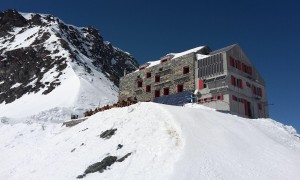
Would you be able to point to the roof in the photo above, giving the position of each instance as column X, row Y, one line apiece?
column 222, row 49
column 194, row 50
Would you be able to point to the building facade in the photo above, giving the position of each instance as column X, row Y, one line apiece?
column 224, row 79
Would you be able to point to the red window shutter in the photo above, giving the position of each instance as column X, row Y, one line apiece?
column 233, row 80
column 140, row 83
column 241, row 84
column 254, row 89
column 259, row 106
column 208, row 100
column 222, row 97
column 243, row 67
column 148, row 88
column 215, row 98
column 233, row 97
column 201, row 101
column 239, row 65
column 250, row 70
column 157, row 93
column 157, row 78
column 185, row 70
column 260, row 92
column 200, row 84
column 148, row 75
column 231, row 61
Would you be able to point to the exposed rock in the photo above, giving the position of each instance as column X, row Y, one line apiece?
column 108, row 133
column 119, row 146
column 102, row 165
column 99, row 166
column 124, row 157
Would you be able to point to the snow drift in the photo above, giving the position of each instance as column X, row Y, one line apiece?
column 163, row 142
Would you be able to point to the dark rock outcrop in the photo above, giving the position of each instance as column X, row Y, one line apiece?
column 108, row 133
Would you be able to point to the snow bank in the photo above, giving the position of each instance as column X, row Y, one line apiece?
column 166, row 142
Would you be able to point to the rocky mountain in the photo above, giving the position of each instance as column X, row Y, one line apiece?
column 39, row 53
column 33, row 44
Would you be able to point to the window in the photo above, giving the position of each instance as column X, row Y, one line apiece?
column 148, row 88
column 243, row 67
column 248, row 84
column 186, row 70
column 254, row 89
column 220, row 97
column 239, row 65
column 234, row 98
column 157, row 93
column 231, row 61
column 233, row 80
column 179, row 87
column 259, row 105
column 259, row 92
column 212, row 99
column 166, row 91
column 148, row 75
column 157, row 78
column 237, row 82
column 140, row 83
column 240, row 83
column 204, row 85
column 215, row 98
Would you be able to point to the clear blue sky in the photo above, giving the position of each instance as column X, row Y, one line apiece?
column 268, row 31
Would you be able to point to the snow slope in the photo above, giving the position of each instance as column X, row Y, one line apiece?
column 166, row 142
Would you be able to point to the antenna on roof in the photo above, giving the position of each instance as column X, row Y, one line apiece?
column 125, row 72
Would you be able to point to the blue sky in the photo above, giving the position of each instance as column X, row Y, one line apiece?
column 269, row 32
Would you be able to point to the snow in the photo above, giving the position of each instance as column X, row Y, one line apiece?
column 201, row 56
column 194, row 50
column 166, row 142
column 24, row 39
column 16, row 85
column 177, row 55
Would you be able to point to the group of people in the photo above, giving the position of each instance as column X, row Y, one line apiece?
column 122, row 103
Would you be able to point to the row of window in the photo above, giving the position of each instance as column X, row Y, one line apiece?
column 166, row 90
column 210, row 99
column 240, row 66
column 239, row 83
column 257, row 90
column 185, row 70
column 234, row 98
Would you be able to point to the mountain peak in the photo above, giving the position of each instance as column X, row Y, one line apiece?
column 39, row 53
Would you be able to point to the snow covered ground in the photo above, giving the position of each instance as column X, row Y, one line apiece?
column 165, row 142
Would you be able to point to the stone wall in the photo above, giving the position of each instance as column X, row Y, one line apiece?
column 170, row 72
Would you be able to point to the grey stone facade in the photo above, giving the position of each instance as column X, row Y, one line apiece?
column 170, row 73
column 224, row 79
